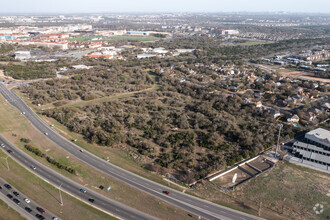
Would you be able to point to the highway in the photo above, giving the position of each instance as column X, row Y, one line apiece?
column 72, row 188
column 189, row 203
column 23, row 205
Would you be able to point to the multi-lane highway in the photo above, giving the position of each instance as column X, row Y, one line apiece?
column 189, row 203
column 99, row 201
column 27, row 206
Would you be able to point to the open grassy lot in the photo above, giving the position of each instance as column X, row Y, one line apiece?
column 7, row 212
column 12, row 122
column 286, row 191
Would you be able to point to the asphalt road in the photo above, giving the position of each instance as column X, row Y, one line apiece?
column 101, row 202
column 32, row 205
column 189, row 203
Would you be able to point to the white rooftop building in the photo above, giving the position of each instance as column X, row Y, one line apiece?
column 320, row 137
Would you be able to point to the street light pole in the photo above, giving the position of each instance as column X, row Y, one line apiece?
column 59, row 189
column 6, row 158
column 280, row 126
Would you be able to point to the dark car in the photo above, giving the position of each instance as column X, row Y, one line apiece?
column 28, row 209
column 16, row 193
column 91, row 200
column 17, row 201
column 0, row 187
column 9, row 151
column 7, row 186
column 9, row 196
column 41, row 210
column 40, row 217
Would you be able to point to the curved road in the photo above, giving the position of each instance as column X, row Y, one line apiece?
column 189, row 203
column 72, row 188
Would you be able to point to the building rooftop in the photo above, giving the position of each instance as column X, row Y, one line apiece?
column 319, row 135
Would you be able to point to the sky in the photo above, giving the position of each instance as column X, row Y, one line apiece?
column 121, row 6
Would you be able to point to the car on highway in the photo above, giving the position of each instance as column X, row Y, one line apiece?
column 46, row 133
column 28, row 209
column 9, row 151
column 27, row 200
column 2, row 145
column 9, row 196
column 83, row 190
column 33, row 167
column 41, row 210
column 16, row 193
column 82, row 151
column 7, row 186
column 0, row 187
column 166, row 192
column 91, row 200
column 55, row 218
column 17, row 201
column 40, row 217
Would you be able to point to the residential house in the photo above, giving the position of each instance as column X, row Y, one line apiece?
column 293, row 119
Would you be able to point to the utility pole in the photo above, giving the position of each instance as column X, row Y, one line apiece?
column 280, row 126
column 6, row 158
column 59, row 189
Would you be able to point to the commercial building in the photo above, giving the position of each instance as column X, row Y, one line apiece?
column 319, row 137
column 313, row 152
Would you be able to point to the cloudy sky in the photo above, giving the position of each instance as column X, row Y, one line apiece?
column 87, row 6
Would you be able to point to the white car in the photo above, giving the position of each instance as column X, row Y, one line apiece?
column 33, row 167
column 2, row 145
column 27, row 200
column 46, row 133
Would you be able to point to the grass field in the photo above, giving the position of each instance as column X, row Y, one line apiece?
column 287, row 192
column 7, row 212
column 12, row 122
column 101, row 38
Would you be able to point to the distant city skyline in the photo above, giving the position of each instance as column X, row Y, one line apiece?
column 149, row 6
